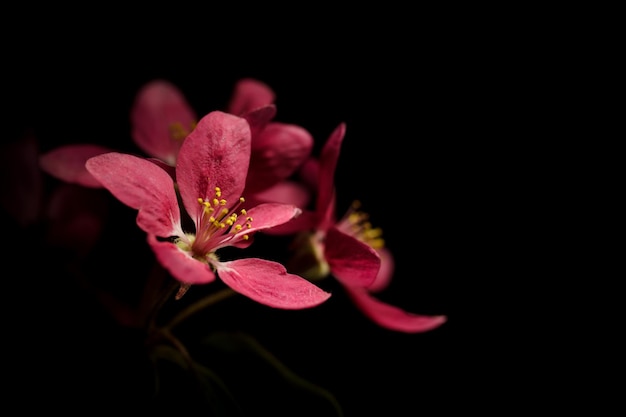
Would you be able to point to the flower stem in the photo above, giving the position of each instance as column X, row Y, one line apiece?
column 197, row 306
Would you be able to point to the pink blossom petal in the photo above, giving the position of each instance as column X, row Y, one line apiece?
column 249, row 94
column 161, row 118
column 215, row 154
column 328, row 164
column 391, row 317
column 268, row 215
column 305, row 221
column 67, row 163
column 286, row 192
column 309, row 173
column 269, row 283
column 180, row 264
column 385, row 273
column 142, row 185
column 277, row 152
column 259, row 118
column 351, row 261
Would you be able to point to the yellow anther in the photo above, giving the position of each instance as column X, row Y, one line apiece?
column 243, row 212
column 218, row 192
column 238, row 228
column 222, row 202
column 241, row 199
column 246, row 237
column 216, row 202
column 201, row 201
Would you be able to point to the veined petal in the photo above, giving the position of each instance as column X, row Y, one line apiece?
column 142, row 185
column 385, row 273
column 250, row 94
column 391, row 317
column 277, row 152
column 180, row 264
column 161, row 118
column 267, row 215
column 328, row 164
column 215, row 154
column 351, row 261
column 269, row 283
column 67, row 163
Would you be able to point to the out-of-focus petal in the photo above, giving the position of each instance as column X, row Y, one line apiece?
column 391, row 317
column 215, row 154
column 286, row 192
column 309, row 173
column 142, row 185
column 277, row 152
column 67, row 163
column 161, row 118
column 249, row 94
column 385, row 273
column 269, row 283
column 351, row 261
column 180, row 264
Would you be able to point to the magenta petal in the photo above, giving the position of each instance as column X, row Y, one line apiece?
column 215, row 154
column 249, row 94
column 351, row 261
column 390, row 317
column 385, row 273
column 182, row 266
column 142, row 185
column 67, row 163
column 269, row 283
column 286, row 192
column 265, row 216
column 76, row 217
column 259, row 118
column 328, row 164
column 307, row 220
column 277, row 152
column 161, row 118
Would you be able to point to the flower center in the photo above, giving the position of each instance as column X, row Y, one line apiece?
column 178, row 132
column 219, row 224
column 357, row 224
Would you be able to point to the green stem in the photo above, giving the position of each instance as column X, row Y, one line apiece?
column 197, row 306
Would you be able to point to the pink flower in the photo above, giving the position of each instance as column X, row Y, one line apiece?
column 211, row 173
column 348, row 248
column 161, row 118
column 278, row 149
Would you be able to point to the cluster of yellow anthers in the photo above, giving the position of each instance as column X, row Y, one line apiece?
column 356, row 222
column 178, row 132
column 226, row 217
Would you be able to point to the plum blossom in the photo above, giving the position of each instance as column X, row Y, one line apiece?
column 348, row 248
column 211, row 170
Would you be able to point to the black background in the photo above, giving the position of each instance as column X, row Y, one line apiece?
column 419, row 103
